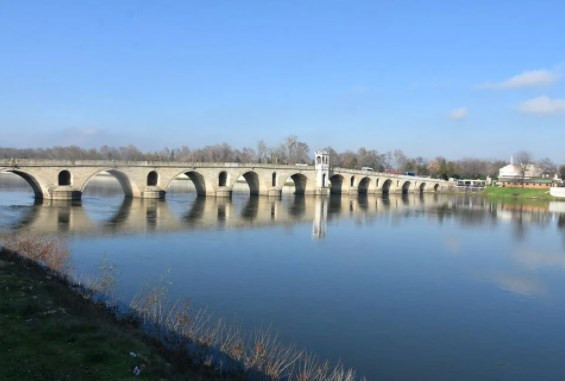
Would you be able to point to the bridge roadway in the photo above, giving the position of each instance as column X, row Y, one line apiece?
column 66, row 179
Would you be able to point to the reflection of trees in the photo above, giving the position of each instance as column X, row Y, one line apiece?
column 441, row 212
column 471, row 217
column 476, row 210
column 561, row 225
column 518, row 224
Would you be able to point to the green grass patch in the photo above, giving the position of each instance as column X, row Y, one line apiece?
column 48, row 332
column 518, row 193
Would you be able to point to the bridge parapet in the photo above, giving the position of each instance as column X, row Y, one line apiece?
column 149, row 164
column 362, row 181
column 381, row 174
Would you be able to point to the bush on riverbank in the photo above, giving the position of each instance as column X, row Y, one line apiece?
column 192, row 338
column 46, row 250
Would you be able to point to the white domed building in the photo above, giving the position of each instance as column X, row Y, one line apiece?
column 511, row 175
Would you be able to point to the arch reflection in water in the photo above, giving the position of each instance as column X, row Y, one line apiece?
column 97, row 216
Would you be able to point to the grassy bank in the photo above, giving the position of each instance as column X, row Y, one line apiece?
column 49, row 332
column 518, row 193
column 55, row 325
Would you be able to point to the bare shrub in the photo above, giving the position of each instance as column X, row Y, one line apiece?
column 98, row 287
column 267, row 355
column 52, row 252
column 45, row 249
column 312, row 369
column 215, row 343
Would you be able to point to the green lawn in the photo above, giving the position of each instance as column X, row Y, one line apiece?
column 47, row 332
column 518, row 193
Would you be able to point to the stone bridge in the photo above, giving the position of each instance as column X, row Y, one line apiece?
column 66, row 179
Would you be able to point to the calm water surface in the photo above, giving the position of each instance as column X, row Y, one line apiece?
column 427, row 287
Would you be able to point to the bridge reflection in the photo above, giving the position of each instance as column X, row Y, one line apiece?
column 137, row 216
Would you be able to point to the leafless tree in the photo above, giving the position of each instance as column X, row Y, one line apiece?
column 262, row 152
column 547, row 166
column 334, row 157
column 434, row 166
column 525, row 160
column 400, row 159
column 349, row 159
column 562, row 172
column 295, row 150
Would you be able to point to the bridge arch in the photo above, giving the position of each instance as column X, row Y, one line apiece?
column 223, row 179
column 197, row 179
column 300, row 182
column 422, row 187
column 352, row 181
column 363, row 186
column 39, row 187
column 129, row 188
column 152, row 179
column 64, row 178
column 337, row 183
column 406, row 187
column 436, row 187
column 386, row 185
column 252, row 179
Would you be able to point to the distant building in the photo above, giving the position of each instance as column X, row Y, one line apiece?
column 528, row 183
column 470, row 183
column 514, row 172
column 534, row 177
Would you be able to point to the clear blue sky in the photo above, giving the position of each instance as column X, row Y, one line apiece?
column 474, row 78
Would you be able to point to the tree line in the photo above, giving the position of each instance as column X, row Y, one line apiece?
column 290, row 151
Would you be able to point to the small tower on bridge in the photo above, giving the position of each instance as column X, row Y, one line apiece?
column 322, row 165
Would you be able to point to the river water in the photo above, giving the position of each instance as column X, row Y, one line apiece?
column 430, row 287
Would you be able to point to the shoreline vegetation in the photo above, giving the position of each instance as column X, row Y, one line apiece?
column 289, row 151
column 58, row 325
column 50, row 332
column 518, row 193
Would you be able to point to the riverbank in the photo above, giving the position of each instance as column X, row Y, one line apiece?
column 62, row 326
column 50, row 332
column 518, row 193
